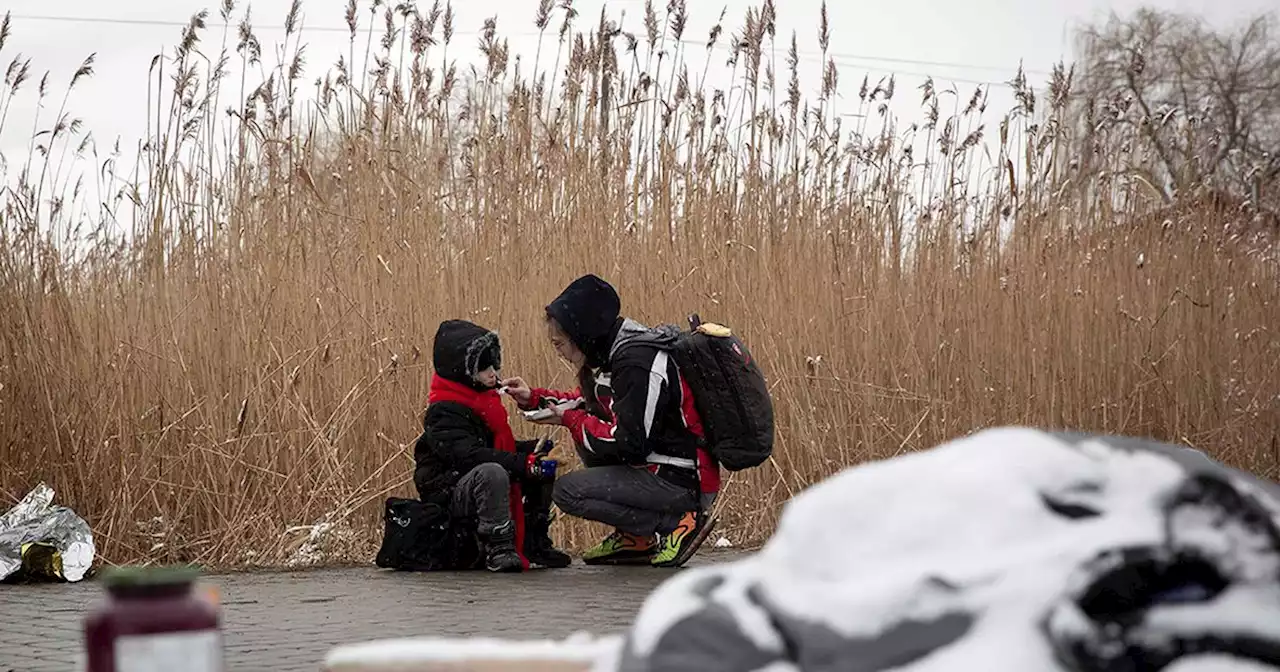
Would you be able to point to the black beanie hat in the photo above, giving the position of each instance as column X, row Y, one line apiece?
column 588, row 311
column 462, row 349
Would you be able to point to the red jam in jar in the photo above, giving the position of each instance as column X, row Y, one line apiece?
column 153, row 620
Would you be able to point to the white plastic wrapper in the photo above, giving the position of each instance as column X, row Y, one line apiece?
column 53, row 541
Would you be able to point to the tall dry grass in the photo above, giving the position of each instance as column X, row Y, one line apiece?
column 238, row 376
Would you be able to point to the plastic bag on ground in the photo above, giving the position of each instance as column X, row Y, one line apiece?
column 40, row 541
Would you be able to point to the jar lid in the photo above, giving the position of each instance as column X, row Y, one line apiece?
column 166, row 575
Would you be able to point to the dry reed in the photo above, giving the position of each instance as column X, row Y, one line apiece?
column 239, row 380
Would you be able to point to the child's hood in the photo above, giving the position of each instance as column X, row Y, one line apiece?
column 462, row 349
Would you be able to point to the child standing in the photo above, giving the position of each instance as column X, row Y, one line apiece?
column 469, row 460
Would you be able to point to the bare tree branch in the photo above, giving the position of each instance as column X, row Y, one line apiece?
column 1192, row 107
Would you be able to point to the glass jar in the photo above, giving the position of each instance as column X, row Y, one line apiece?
column 153, row 620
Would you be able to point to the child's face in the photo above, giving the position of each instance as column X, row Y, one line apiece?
column 488, row 378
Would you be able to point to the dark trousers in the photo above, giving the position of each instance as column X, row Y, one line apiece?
column 631, row 499
column 484, row 493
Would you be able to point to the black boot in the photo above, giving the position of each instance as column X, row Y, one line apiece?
column 537, row 542
column 500, row 549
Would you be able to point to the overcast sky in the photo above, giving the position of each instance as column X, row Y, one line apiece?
column 979, row 40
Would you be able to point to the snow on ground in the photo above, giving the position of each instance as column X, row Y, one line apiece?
column 953, row 559
column 581, row 650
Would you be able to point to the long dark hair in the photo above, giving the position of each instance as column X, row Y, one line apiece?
column 586, row 377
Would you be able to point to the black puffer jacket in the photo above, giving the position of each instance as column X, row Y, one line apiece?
column 455, row 439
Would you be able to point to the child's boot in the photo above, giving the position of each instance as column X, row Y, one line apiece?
column 500, row 549
column 537, row 542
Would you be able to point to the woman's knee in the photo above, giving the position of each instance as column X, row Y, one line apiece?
column 566, row 493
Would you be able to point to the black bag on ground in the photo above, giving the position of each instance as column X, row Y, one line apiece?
column 730, row 393
column 420, row 536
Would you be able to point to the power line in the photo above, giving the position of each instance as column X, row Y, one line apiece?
column 817, row 56
column 841, row 58
column 941, row 64
column 217, row 24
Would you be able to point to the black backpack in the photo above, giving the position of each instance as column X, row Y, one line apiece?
column 422, row 537
column 729, row 392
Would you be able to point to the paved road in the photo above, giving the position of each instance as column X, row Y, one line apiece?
column 288, row 621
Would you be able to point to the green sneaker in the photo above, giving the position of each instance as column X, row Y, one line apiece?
column 678, row 547
column 620, row 548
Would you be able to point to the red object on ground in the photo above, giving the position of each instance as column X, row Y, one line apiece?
column 153, row 620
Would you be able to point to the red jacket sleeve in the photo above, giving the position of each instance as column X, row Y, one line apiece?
column 542, row 396
column 582, row 424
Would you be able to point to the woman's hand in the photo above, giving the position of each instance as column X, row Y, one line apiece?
column 556, row 417
column 518, row 389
